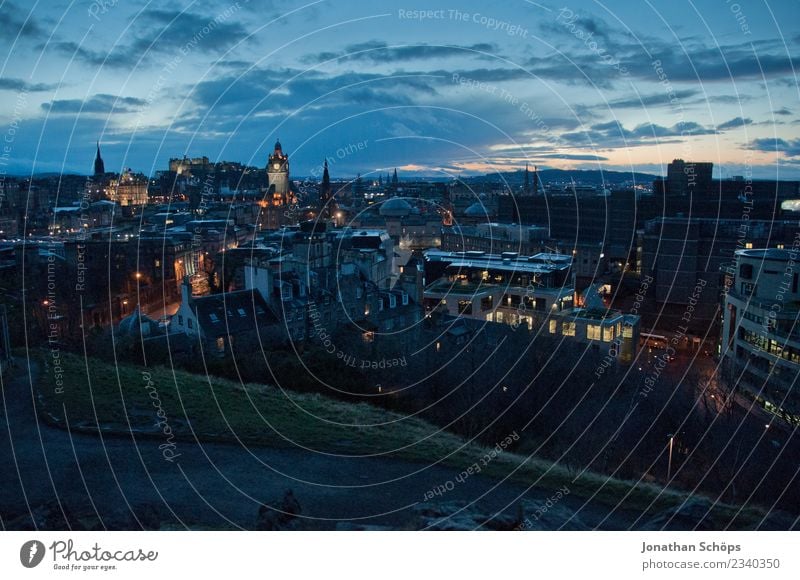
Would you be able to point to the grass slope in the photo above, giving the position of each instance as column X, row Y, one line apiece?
column 126, row 397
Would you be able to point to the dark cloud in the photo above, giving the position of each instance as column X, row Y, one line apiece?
column 653, row 100
column 735, row 123
column 98, row 104
column 21, row 85
column 613, row 134
column 376, row 51
column 16, row 23
column 790, row 148
column 170, row 32
column 782, row 111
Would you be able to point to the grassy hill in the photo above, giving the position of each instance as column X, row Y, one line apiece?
column 122, row 398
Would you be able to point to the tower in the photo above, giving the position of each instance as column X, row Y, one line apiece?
column 278, row 175
column 99, row 166
column 526, row 186
column 325, row 190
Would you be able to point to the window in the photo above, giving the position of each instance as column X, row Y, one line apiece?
column 214, row 318
column 241, row 312
column 221, row 344
column 189, row 323
column 405, row 299
column 593, row 331
column 180, row 320
column 627, row 331
column 568, row 329
column 553, row 326
column 158, row 263
column 608, row 333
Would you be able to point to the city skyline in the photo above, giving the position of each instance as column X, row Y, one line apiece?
column 577, row 87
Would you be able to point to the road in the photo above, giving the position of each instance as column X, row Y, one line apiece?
column 119, row 480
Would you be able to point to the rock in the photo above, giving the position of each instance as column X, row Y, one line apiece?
column 545, row 515
column 693, row 514
column 279, row 515
column 354, row 527
column 460, row 516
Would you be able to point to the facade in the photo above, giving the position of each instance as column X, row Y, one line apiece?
column 278, row 176
column 128, row 189
column 506, row 288
column 760, row 333
column 218, row 321
column 618, row 333
column 679, row 251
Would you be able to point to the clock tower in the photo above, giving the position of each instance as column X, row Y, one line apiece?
column 278, row 176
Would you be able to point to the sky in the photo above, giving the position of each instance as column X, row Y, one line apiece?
column 432, row 88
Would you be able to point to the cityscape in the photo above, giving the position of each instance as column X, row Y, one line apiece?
column 327, row 267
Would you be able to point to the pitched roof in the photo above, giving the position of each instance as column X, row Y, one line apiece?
column 232, row 312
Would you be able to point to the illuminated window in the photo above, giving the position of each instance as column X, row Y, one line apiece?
column 568, row 329
column 553, row 326
column 221, row 344
column 593, row 331
column 627, row 331
column 608, row 334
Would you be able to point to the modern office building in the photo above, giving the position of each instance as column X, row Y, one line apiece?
column 760, row 334
column 506, row 288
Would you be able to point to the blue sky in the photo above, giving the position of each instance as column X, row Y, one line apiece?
column 432, row 88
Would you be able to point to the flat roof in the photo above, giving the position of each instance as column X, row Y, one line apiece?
column 768, row 254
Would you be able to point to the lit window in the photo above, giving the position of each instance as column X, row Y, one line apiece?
column 221, row 344
column 568, row 329
column 593, row 331
column 608, row 333
column 553, row 326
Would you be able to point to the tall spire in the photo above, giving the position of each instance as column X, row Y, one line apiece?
column 394, row 177
column 325, row 190
column 99, row 166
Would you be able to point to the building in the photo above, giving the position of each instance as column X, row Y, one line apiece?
column 279, row 190
column 507, row 287
column 215, row 322
column 99, row 166
column 189, row 166
column 688, row 177
column 760, row 334
column 679, row 251
column 128, row 189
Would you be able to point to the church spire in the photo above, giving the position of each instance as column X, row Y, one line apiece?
column 325, row 187
column 99, row 166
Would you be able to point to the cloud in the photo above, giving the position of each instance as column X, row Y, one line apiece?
column 9, row 84
column 782, row 111
column 653, row 100
column 380, row 52
column 15, row 23
column 98, row 104
column 735, row 123
column 613, row 134
column 164, row 31
column 790, row 148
